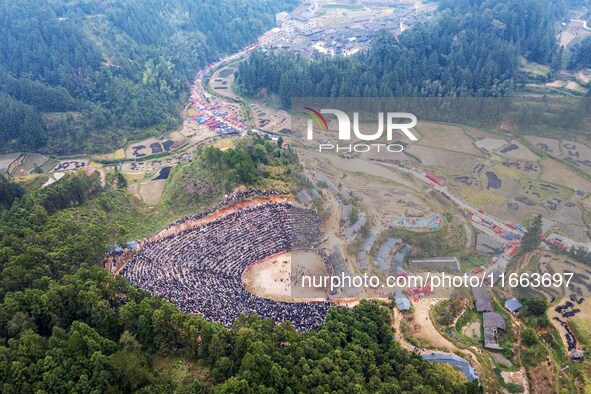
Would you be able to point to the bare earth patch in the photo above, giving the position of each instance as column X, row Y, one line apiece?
column 272, row 278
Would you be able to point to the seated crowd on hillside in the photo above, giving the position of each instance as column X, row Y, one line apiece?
column 200, row 269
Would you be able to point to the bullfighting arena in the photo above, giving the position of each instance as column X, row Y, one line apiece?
column 199, row 262
column 273, row 277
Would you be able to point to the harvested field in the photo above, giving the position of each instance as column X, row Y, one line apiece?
column 194, row 132
column 454, row 162
column 499, row 184
column 447, row 137
column 383, row 193
column 6, row 160
column 578, row 154
column 557, row 173
column 32, row 161
column 516, row 150
column 119, row 154
column 584, row 76
column 549, row 145
column 478, row 133
column 270, row 119
column 548, row 195
column 481, row 198
column 149, row 192
column 468, row 180
column 570, row 221
column 547, row 224
column 422, row 327
column 49, row 165
column 221, row 82
column 472, row 330
column 582, row 329
column 566, row 37
column 522, row 167
column 571, row 85
column 498, row 357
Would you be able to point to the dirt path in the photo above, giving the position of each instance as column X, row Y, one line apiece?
column 583, row 23
column 440, row 344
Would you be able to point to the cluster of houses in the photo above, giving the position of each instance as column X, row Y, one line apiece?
column 301, row 32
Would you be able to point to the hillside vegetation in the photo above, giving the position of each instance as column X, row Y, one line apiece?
column 83, row 75
column 66, row 325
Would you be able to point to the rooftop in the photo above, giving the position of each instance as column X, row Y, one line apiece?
column 513, row 305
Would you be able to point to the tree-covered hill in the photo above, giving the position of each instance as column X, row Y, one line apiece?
column 66, row 325
column 581, row 55
column 471, row 48
column 82, row 75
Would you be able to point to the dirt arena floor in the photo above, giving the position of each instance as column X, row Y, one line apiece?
column 273, row 277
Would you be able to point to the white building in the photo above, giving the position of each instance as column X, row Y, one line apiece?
column 301, row 23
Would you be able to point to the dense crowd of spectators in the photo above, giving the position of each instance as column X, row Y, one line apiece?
column 200, row 269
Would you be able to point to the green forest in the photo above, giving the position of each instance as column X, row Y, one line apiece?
column 472, row 48
column 66, row 325
column 86, row 76
column 581, row 57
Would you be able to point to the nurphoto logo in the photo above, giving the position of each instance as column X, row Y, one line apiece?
column 392, row 121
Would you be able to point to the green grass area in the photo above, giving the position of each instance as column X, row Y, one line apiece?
column 535, row 69
column 534, row 355
column 544, row 193
column 582, row 329
column 474, row 260
column 33, row 182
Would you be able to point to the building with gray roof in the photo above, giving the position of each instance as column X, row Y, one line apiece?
column 355, row 227
column 435, row 263
column 402, row 302
column 363, row 256
column 397, row 265
column 482, row 299
column 492, row 322
column 487, row 244
column 383, row 254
